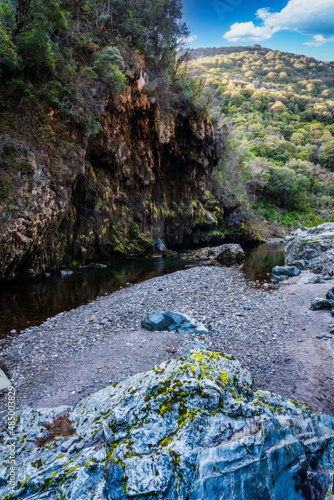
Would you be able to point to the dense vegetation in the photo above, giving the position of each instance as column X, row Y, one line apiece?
column 279, row 109
column 69, row 54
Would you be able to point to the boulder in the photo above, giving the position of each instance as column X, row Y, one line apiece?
column 4, row 381
column 192, row 428
column 330, row 296
column 300, row 264
column 97, row 265
column 289, row 271
column 227, row 253
column 230, row 253
column 277, row 278
column 318, row 304
column 315, row 246
column 182, row 323
column 310, row 281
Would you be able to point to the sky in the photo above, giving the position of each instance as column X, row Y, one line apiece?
column 298, row 26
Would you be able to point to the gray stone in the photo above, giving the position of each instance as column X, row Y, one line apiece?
column 157, row 322
column 310, row 281
column 192, row 428
column 230, row 253
column 289, row 271
column 315, row 246
column 301, row 264
column 330, row 296
column 97, row 265
column 68, row 444
column 227, row 253
column 4, row 381
column 182, row 323
column 276, row 278
column 319, row 304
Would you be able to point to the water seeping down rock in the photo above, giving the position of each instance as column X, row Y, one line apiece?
column 192, row 428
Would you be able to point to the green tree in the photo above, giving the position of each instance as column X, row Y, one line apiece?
column 327, row 157
column 285, row 187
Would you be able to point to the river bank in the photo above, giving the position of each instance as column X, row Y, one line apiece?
column 272, row 332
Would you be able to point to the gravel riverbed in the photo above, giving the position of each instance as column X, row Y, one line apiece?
column 271, row 331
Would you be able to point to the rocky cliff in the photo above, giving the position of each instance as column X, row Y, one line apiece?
column 69, row 197
column 192, row 428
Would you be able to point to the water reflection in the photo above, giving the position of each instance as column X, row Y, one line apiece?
column 260, row 261
column 29, row 303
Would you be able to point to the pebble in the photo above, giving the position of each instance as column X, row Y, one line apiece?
column 213, row 295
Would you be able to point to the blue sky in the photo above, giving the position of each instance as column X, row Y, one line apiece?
column 298, row 26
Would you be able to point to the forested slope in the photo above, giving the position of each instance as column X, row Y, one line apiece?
column 279, row 109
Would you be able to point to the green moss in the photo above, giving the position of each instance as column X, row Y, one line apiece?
column 247, row 449
column 24, row 482
column 37, row 464
column 166, row 441
column 69, row 471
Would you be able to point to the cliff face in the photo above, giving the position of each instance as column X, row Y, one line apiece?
column 67, row 198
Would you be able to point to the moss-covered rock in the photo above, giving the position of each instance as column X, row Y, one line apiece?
column 189, row 428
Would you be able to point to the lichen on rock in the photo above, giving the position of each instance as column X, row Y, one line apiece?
column 189, row 428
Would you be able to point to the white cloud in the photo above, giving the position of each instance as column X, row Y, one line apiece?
column 319, row 40
column 242, row 32
column 308, row 17
column 191, row 39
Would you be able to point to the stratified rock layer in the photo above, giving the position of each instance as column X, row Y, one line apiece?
column 191, row 428
column 315, row 246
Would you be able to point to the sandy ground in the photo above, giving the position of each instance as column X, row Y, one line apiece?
column 314, row 380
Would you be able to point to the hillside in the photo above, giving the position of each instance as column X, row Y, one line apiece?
column 279, row 109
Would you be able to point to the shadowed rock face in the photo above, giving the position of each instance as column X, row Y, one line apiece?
column 189, row 428
column 70, row 196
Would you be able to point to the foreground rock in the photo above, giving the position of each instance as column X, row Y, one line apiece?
column 159, row 321
column 227, row 253
column 190, row 428
column 315, row 246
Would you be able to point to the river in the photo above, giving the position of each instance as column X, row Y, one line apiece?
column 28, row 303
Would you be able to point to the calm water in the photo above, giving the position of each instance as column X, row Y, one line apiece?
column 260, row 261
column 29, row 303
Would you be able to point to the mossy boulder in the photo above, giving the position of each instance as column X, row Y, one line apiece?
column 192, row 428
